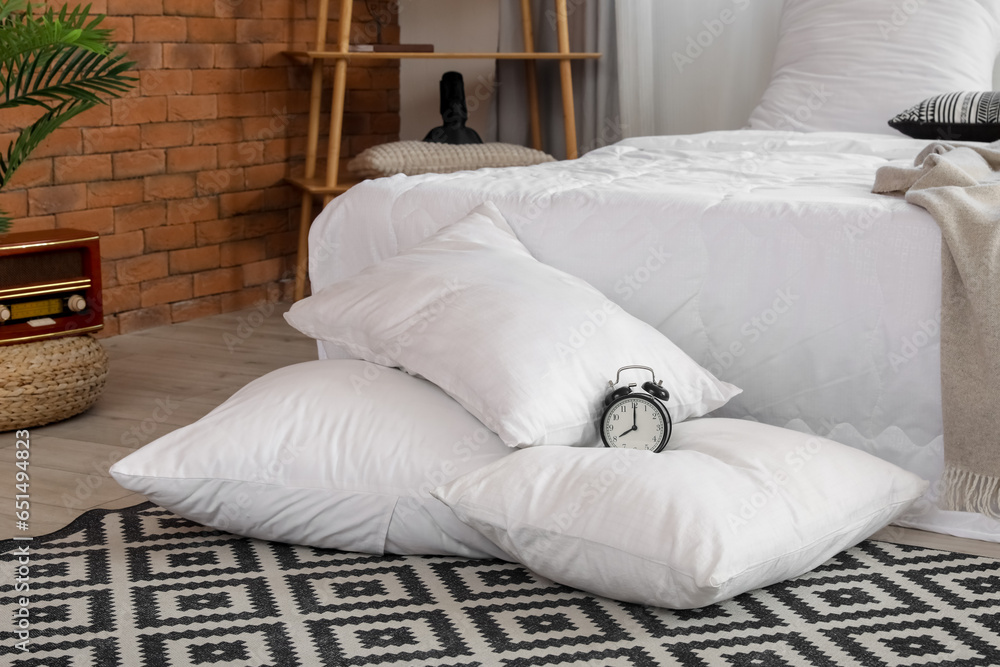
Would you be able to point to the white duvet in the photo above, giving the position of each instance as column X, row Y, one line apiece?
column 764, row 255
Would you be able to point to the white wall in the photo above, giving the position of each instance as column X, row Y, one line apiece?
column 450, row 25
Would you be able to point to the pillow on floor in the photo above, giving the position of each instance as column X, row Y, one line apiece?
column 423, row 157
column 849, row 65
column 526, row 348
column 732, row 506
column 952, row 117
column 335, row 454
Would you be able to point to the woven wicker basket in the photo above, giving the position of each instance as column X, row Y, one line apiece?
column 51, row 380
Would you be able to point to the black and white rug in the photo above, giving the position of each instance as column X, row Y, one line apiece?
column 144, row 587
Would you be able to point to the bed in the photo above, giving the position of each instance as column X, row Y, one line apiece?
column 761, row 252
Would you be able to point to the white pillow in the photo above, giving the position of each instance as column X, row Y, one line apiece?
column 335, row 454
column 733, row 506
column 850, row 65
column 526, row 348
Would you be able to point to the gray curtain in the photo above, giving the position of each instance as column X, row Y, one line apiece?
column 595, row 86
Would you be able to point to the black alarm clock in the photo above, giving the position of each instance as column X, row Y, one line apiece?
column 635, row 420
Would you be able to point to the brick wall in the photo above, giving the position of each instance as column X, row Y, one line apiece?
column 183, row 179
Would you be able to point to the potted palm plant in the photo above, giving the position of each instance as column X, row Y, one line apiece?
column 62, row 64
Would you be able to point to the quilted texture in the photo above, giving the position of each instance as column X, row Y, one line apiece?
column 420, row 157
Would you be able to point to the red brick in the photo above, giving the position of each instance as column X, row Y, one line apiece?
column 98, row 116
column 99, row 220
column 146, row 56
column 219, row 231
column 160, row 29
column 140, row 163
column 33, row 224
column 14, row 204
column 238, row 56
column 146, row 318
column 189, row 7
column 119, row 246
column 110, row 139
column 188, row 56
column 166, row 135
column 114, row 193
column 14, row 120
column 170, row 186
column 243, row 8
column 241, row 154
column 192, row 260
column 79, row 168
column 192, row 107
column 220, row 131
column 122, row 28
column 288, row 101
column 57, row 199
column 216, row 81
column 117, row 299
column 281, row 244
column 169, row 237
column 262, row 30
column 265, row 176
column 183, row 311
column 144, row 267
column 140, row 216
column 235, row 105
column 257, row 273
column 265, row 222
column 31, row 174
column 165, row 82
column 130, row 7
column 242, row 252
column 139, row 110
column 220, row 180
column 109, row 276
column 212, row 30
column 64, row 141
column 166, row 290
column 110, row 327
column 274, row 78
column 249, row 297
column 367, row 100
column 198, row 209
column 192, row 158
column 217, row 281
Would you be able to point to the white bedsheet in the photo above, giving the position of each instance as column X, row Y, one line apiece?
column 762, row 254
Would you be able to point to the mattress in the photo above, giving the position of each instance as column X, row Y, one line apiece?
column 763, row 254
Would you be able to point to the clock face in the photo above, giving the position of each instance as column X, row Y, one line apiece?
column 635, row 422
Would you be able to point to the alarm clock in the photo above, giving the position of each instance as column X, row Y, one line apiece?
column 635, row 420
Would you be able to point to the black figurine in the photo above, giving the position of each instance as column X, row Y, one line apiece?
column 454, row 113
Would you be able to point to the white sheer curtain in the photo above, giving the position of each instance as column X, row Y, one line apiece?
column 693, row 65
column 595, row 89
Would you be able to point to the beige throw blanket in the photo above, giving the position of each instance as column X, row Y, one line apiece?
column 960, row 187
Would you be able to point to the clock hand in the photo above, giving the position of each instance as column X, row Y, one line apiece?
column 635, row 407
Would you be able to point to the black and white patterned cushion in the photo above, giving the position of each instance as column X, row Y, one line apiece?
column 953, row 116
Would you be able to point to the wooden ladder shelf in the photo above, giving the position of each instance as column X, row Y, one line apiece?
column 329, row 184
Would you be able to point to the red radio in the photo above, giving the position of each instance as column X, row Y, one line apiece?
column 50, row 285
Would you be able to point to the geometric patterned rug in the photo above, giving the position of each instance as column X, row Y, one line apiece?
column 142, row 586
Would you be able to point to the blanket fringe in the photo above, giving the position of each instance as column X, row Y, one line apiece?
column 966, row 491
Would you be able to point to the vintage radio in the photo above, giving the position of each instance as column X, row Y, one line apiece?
column 50, row 285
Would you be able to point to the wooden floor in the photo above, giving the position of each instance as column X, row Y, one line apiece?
column 164, row 378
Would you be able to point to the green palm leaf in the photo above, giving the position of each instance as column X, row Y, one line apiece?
column 60, row 62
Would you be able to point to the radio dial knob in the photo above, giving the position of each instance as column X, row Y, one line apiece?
column 76, row 303
column 4, row 313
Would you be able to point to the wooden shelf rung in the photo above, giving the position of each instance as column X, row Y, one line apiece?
column 389, row 55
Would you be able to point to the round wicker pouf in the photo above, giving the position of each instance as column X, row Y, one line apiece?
column 51, row 380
